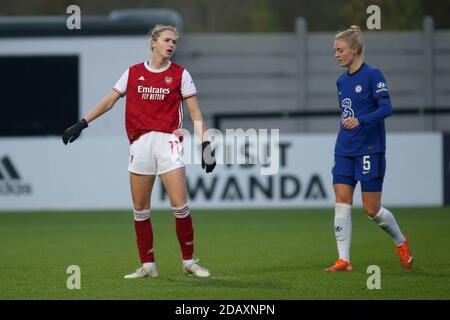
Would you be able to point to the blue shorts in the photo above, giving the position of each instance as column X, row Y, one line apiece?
column 369, row 170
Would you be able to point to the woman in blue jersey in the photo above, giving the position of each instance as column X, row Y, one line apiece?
column 359, row 153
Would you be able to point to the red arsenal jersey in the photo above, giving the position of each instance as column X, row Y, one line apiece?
column 154, row 98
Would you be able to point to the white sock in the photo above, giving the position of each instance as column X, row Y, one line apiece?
column 386, row 220
column 150, row 265
column 343, row 229
column 187, row 262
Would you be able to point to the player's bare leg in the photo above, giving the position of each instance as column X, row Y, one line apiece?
column 343, row 193
column 386, row 221
column 343, row 226
column 371, row 203
column 141, row 188
column 175, row 183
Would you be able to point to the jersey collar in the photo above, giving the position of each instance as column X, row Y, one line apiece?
column 147, row 66
column 360, row 67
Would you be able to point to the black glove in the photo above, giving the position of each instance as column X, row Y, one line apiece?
column 72, row 133
column 208, row 158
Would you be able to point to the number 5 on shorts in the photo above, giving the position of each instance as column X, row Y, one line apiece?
column 366, row 163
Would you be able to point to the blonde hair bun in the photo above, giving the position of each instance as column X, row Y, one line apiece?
column 354, row 37
column 355, row 29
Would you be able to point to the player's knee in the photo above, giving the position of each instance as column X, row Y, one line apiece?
column 141, row 206
column 181, row 211
column 344, row 198
column 371, row 209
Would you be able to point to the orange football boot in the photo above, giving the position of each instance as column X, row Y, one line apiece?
column 406, row 258
column 340, row 265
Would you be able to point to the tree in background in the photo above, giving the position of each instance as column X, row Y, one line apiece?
column 321, row 15
column 439, row 10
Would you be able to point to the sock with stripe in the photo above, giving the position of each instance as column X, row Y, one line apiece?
column 144, row 235
column 185, row 231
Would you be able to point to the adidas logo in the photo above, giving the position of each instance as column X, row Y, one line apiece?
column 141, row 78
column 10, row 181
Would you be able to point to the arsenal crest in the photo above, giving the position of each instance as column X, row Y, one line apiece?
column 168, row 80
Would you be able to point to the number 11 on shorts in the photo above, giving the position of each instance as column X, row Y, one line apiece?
column 175, row 149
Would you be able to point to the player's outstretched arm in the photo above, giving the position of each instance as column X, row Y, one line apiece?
column 73, row 132
column 208, row 154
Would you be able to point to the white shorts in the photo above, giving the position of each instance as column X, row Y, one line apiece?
column 155, row 153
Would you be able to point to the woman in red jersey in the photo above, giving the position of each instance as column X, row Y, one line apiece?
column 155, row 90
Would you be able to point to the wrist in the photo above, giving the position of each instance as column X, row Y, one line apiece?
column 84, row 123
column 361, row 120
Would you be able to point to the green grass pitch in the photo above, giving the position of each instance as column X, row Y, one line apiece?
column 252, row 254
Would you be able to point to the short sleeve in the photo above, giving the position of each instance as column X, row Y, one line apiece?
column 187, row 85
column 121, row 85
column 378, row 84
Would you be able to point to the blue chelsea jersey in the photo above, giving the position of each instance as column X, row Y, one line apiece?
column 364, row 95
